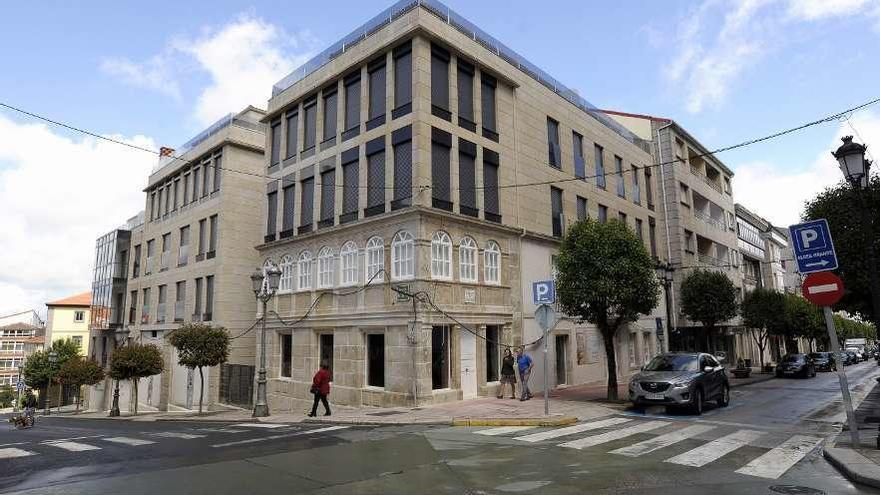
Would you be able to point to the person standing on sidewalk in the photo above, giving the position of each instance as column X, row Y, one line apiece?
column 508, row 375
column 321, row 389
column 524, row 362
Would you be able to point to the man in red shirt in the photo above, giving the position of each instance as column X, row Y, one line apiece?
column 321, row 388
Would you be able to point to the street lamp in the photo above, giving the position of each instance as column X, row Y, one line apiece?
column 665, row 272
column 53, row 360
column 265, row 283
column 121, row 339
column 856, row 169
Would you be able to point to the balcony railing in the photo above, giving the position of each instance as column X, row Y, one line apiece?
column 710, row 260
column 712, row 183
column 709, row 219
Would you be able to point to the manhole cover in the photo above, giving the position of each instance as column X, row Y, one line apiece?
column 795, row 490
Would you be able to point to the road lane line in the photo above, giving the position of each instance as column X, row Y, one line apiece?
column 571, row 430
column 176, row 434
column 777, row 461
column 221, row 430
column 13, row 452
column 260, row 425
column 715, row 449
column 503, row 430
column 666, row 440
column 71, row 446
column 128, row 440
column 276, row 437
column 611, row 436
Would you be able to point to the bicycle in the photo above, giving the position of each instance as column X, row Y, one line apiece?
column 24, row 420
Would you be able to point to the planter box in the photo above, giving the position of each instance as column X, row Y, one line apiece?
column 742, row 373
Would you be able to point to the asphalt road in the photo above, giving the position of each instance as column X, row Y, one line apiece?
column 766, row 442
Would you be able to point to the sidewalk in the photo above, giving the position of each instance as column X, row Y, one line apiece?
column 862, row 463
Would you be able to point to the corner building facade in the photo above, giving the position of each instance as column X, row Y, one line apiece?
column 418, row 160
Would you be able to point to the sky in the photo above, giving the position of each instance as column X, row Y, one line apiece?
column 726, row 70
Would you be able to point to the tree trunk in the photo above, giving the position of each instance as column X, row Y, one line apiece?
column 134, row 382
column 78, row 392
column 60, row 396
column 610, row 361
column 201, row 388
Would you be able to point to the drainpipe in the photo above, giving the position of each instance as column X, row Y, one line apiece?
column 671, row 289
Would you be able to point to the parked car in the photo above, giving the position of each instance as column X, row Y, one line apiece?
column 680, row 380
column 795, row 365
column 853, row 357
column 823, row 361
column 860, row 356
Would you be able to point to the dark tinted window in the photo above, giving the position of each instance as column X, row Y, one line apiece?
column 793, row 358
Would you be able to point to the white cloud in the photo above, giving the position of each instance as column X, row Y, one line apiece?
column 57, row 196
column 242, row 59
column 818, row 9
column 772, row 192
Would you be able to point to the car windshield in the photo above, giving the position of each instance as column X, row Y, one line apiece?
column 671, row 362
column 795, row 358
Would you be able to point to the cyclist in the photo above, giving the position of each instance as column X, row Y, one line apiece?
column 30, row 407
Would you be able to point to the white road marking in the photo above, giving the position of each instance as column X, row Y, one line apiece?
column 71, row 446
column 715, row 449
column 666, row 440
column 286, row 435
column 129, row 440
column 177, row 434
column 777, row 461
column 260, row 425
column 590, row 441
column 221, row 430
column 503, row 430
column 571, row 430
column 13, row 452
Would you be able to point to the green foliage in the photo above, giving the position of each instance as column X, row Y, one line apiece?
column 708, row 297
column 77, row 372
column 135, row 361
column 7, row 396
column 763, row 312
column 803, row 319
column 841, row 205
column 39, row 372
column 848, row 328
column 200, row 345
column 605, row 277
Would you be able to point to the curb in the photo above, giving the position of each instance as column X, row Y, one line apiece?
column 555, row 421
column 853, row 465
column 766, row 378
column 377, row 422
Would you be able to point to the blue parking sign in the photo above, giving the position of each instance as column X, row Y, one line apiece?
column 544, row 292
column 812, row 246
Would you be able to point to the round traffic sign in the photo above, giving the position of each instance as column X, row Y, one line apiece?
column 822, row 288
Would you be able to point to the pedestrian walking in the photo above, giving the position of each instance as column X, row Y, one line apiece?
column 321, row 388
column 524, row 363
column 508, row 375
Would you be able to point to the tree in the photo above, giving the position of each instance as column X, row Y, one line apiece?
column 802, row 319
column 78, row 372
column 840, row 205
column 38, row 371
column 7, row 396
column 199, row 345
column 763, row 311
column 135, row 361
column 708, row 297
column 605, row 277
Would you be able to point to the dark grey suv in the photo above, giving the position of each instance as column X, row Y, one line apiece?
column 680, row 380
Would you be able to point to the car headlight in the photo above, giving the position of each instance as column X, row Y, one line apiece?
column 679, row 384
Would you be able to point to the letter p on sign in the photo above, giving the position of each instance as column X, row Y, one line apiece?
column 807, row 237
column 544, row 292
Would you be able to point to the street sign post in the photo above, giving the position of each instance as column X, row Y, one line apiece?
column 812, row 246
column 545, row 316
column 544, row 292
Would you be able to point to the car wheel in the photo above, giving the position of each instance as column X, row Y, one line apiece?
column 724, row 398
column 697, row 405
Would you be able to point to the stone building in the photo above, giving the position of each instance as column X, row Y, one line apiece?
column 421, row 157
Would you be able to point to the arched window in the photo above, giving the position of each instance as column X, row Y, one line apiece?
column 492, row 263
column 325, row 268
column 286, row 284
column 348, row 257
column 304, row 267
column 402, row 256
column 441, row 256
column 375, row 259
column 467, row 260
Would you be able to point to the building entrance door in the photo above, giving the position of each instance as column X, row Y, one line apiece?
column 561, row 358
column 468, row 364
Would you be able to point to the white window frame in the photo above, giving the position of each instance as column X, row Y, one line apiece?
column 348, row 261
column 441, row 256
column 286, row 282
column 375, row 259
column 403, row 256
column 467, row 260
column 492, row 263
column 326, row 268
column 304, row 269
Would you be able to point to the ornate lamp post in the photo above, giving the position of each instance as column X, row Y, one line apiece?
column 265, row 284
column 856, row 169
column 665, row 273
column 121, row 339
column 53, row 360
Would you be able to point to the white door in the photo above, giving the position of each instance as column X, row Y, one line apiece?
column 468, row 364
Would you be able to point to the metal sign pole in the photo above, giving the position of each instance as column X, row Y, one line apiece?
column 546, row 378
column 841, row 377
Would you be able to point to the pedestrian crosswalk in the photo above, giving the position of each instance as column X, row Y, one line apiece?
column 148, row 438
column 716, row 442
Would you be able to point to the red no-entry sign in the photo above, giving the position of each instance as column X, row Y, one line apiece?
column 822, row 288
